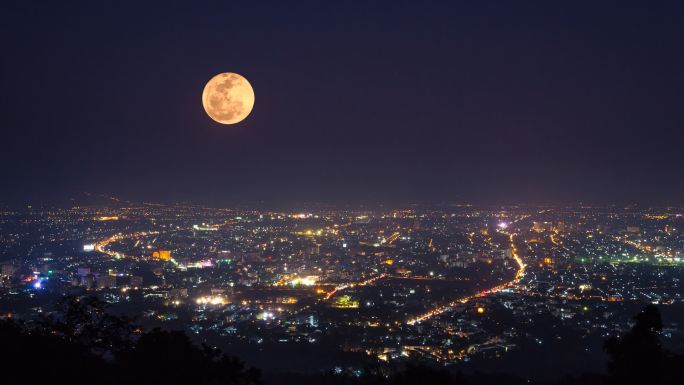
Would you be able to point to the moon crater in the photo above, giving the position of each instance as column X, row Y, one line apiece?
column 228, row 98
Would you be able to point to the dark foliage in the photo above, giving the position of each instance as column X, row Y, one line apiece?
column 163, row 357
column 31, row 354
column 639, row 358
column 81, row 343
column 86, row 322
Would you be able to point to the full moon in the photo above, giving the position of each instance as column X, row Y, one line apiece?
column 228, row 98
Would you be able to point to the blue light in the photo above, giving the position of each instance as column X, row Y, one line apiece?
column 37, row 284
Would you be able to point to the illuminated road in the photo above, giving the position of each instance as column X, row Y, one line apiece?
column 442, row 309
column 646, row 250
column 101, row 246
column 348, row 285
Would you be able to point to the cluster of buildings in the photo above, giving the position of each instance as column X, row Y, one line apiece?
column 447, row 284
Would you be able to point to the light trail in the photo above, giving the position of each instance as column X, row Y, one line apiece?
column 101, row 246
column 392, row 238
column 348, row 285
column 442, row 309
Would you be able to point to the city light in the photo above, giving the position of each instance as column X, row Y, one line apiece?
column 211, row 300
column 304, row 281
column 266, row 316
column 366, row 275
column 427, row 192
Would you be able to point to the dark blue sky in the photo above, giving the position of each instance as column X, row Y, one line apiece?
column 482, row 101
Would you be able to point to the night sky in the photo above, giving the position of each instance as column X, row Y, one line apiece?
column 482, row 101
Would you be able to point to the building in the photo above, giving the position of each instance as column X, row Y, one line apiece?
column 136, row 281
column 164, row 255
column 8, row 270
column 105, row 281
column 314, row 249
column 88, row 281
column 178, row 293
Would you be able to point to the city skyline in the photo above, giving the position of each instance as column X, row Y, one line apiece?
column 338, row 290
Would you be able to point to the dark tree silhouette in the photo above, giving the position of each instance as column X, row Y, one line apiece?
column 87, row 322
column 419, row 374
column 163, row 357
column 28, row 353
column 638, row 356
column 81, row 342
